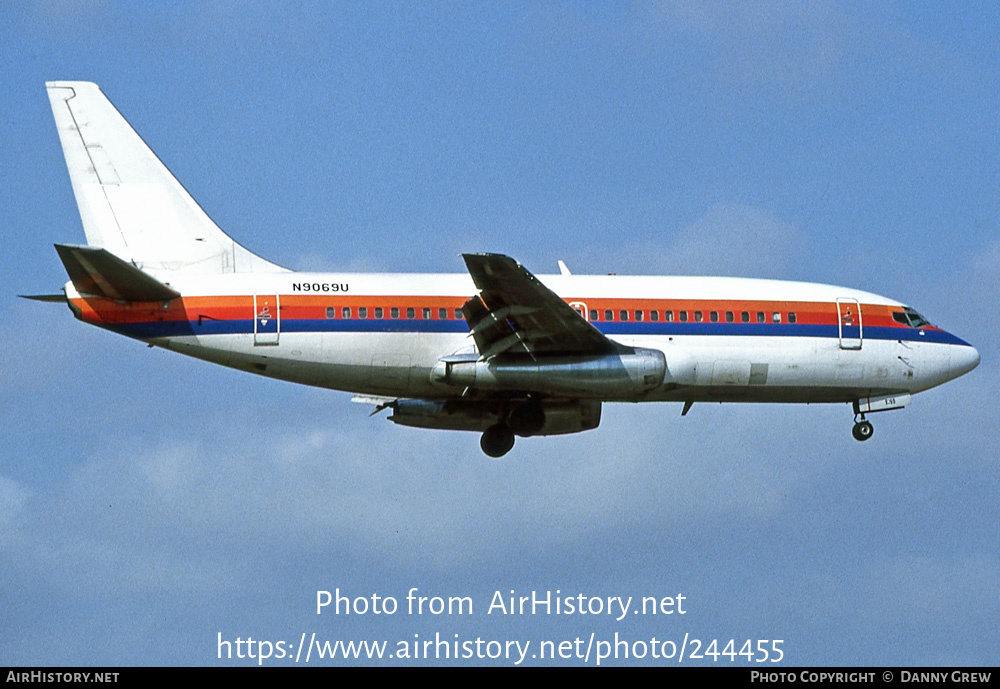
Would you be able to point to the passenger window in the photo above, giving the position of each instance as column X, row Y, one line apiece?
column 442, row 314
column 698, row 317
column 668, row 316
column 654, row 315
column 394, row 312
column 776, row 316
column 363, row 312
column 714, row 316
column 623, row 315
column 411, row 312
column 458, row 315
column 683, row 316
column 791, row 317
column 730, row 317
column 426, row 314
column 379, row 312
column 345, row 312
column 745, row 316
column 760, row 317
column 609, row 315
column 331, row 311
column 593, row 314
column 638, row 315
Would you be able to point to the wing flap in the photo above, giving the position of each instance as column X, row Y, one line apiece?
column 514, row 313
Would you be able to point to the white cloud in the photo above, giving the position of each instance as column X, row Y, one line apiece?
column 13, row 497
column 154, row 515
column 788, row 46
column 923, row 584
column 737, row 240
column 728, row 239
column 917, row 592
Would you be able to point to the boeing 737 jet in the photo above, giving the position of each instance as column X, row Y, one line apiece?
column 495, row 350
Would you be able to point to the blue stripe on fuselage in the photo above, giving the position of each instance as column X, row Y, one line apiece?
column 388, row 325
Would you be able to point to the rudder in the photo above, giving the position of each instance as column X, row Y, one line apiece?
column 130, row 203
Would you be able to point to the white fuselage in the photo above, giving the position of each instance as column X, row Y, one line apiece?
column 382, row 334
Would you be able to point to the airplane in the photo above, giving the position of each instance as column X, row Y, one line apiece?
column 495, row 350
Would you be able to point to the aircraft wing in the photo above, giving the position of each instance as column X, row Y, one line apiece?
column 514, row 313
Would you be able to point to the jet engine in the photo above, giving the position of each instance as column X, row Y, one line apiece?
column 523, row 417
column 596, row 376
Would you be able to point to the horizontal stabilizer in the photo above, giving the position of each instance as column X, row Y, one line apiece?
column 94, row 270
column 58, row 298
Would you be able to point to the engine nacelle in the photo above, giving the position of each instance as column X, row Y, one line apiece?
column 542, row 418
column 596, row 377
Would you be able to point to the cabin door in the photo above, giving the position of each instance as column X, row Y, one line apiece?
column 849, row 328
column 267, row 319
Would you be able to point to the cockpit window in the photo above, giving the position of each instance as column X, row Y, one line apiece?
column 910, row 317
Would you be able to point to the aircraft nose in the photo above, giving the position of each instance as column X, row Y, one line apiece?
column 964, row 359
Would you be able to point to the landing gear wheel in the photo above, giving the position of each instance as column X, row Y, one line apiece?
column 497, row 440
column 862, row 430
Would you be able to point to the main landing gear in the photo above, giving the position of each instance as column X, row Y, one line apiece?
column 862, row 429
column 526, row 419
column 497, row 440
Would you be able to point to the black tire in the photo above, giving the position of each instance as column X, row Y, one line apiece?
column 497, row 440
column 862, row 430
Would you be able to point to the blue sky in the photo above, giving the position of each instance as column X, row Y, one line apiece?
column 149, row 502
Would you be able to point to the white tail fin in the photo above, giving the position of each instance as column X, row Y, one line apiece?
column 129, row 202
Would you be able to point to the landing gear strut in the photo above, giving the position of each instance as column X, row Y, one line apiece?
column 862, row 429
column 497, row 440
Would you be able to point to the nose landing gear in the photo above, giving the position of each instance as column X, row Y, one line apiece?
column 862, row 429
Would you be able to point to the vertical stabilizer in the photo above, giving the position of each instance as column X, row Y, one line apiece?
column 129, row 202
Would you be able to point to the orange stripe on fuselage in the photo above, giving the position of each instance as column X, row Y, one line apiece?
column 104, row 311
